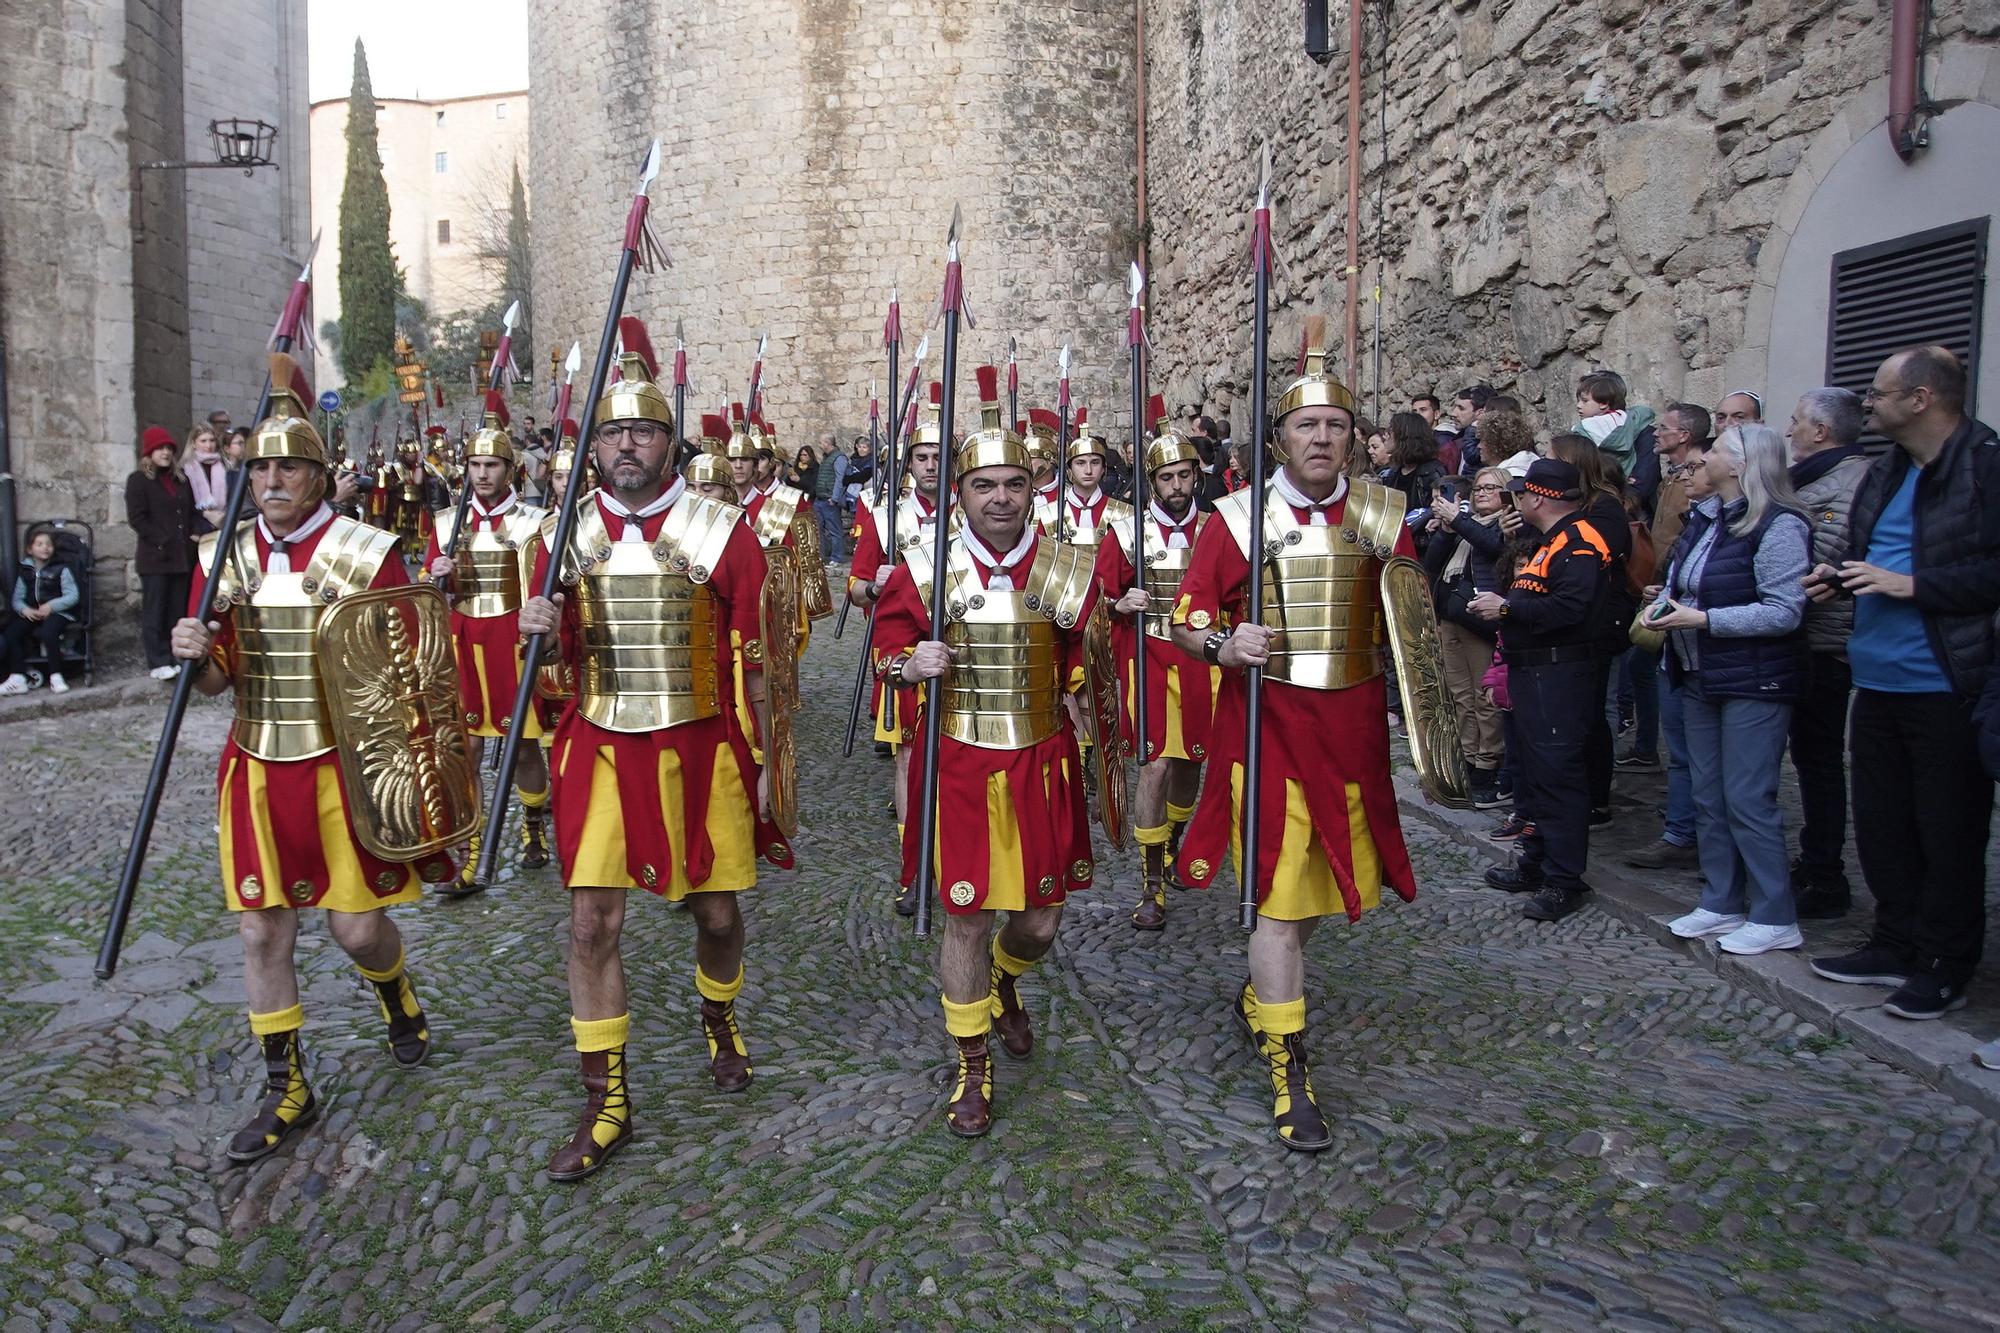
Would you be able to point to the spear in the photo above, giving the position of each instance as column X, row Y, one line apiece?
column 570, row 366
column 555, row 379
column 874, row 447
column 756, row 378
column 636, row 238
column 863, row 668
column 1013, row 385
column 499, row 377
column 291, row 321
column 951, row 304
column 680, row 387
column 1253, row 709
column 1063, row 443
column 1135, row 339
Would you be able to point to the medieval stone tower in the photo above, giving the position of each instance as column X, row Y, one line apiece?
column 813, row 150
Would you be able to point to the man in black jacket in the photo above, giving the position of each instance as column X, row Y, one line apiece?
column 1923, row 567
column 1553, row 622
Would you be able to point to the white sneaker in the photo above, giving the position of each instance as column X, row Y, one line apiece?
column 1702, row 923
column 14, row 684
column 1760, row 939
column 1989, row 1054
column 57, row 685
column 164, row 672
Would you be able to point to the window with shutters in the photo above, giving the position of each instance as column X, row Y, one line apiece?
column 1918, row 289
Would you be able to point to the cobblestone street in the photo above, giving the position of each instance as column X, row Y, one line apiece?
column 1537, row 1127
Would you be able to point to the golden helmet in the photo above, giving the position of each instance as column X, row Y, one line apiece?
column 1168, row 446
column 743, row 441
column 708, row 468
column 992, row 445
column 634, row 396
column 1088, row 443
column 491, row 439
column 930, row 427
column 714, row 432
column 1314, row 385
column 288, row 431
column 1040, row 435
column 563, row 459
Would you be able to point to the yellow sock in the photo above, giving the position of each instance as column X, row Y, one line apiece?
column 406, row 994
column 389, row 973
column 1281, row 1020
column 533, row 800
column 1007, row 962
column 722, row 992
column 1179, row 814
column 601, row 1034
column 279, row 1020
column 1156, row 836
column 967, row 1020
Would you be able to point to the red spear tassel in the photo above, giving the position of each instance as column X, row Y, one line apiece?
column 910, row 421
column 892, row 328
column 437, row 393
column 291, row 318
column 680, row 367
column 1260, row 240
column 562, row 408
column 502, row 356
column 1135, row 327
column 1062, row 392
column 1013, row 377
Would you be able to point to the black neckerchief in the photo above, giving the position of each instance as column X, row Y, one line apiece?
column 1809, row 470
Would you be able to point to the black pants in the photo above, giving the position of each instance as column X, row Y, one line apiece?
column 1819, row 755
column 20, row 631
column 163, row 599
column 1922, row 806
column 1552, row 711
column 1597, row 742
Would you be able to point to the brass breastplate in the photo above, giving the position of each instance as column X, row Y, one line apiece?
column 1114, row 513
column 1005, row 687
column 775, row 515
column 280, row 701
column 913, row 527
column 1166, row 566
column 1322, row 586
column 492, row 570
column 649, row 627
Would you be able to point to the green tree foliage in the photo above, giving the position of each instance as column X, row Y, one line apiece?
column 368, row 278
column 515, row 283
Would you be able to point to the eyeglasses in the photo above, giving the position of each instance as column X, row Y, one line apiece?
column 1489, row 486
column 639, row 432
column 1872, row 394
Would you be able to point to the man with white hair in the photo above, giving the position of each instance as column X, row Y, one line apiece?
column 1827, row 465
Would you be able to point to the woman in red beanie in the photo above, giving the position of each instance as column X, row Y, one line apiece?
column 160, row 507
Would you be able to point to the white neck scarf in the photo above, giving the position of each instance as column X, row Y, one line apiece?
column 281, row 556
column 632, row 532
column 999, row 580
column 480, row 511
column 1177, row 528
column 1296, row 498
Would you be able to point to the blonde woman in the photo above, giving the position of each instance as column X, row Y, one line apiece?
column 207, row 475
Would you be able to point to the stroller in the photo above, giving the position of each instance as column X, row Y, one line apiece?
column 75, row 547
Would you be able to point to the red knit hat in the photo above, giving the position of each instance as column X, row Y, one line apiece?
column 157, row 437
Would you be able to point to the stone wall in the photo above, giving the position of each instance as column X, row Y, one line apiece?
column 813, row 152
column 153, row 115
column 1562, row 185
column 247, row 236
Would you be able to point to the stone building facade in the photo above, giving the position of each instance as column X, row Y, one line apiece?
column 1659, row 188
column 124, row 310
column 448, row 165
column 813, row 152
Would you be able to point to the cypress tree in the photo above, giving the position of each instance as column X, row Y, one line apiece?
column 515, row 281
column 367, row 264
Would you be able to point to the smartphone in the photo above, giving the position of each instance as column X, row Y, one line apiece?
column 1450, row 487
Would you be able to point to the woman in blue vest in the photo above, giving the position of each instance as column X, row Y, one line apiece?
column 1734, row 603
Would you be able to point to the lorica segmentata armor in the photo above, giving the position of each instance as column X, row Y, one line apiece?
column 493, row 569
column 1166, row 566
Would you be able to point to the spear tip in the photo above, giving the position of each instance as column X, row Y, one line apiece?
column 574, row 361
column 305, row 270
column 1264, row 177
column 513, row 314
column 956, row 217
column 923, row 346
column 680, row 331
column 1138, row 281
column 652, row 167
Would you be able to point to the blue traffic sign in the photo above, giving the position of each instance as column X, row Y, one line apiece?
column 329, row 401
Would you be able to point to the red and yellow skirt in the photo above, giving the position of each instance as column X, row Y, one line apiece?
column 670, row 811
column 287, row 840
column 488, row 649
column 1329, row 835
column 1011, row 828
column 1180, row 701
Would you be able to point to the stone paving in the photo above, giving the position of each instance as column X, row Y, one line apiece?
column 1561, row 1127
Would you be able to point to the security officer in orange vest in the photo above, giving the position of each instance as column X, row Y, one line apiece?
column 1553, row 622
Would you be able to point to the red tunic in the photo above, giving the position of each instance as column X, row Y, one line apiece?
column 1179, row 686
column 894, row 708
column 283, row 842
column 1012, row 830
column 1322, row 740
column 488, row 649
column 645, row 781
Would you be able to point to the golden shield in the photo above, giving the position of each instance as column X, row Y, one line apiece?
column 398, row 721
column 1100, row 700
column 778, row 624
column 1429, row 711
column 812, row 566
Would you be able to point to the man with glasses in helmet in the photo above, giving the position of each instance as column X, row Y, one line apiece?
column 655, row 788
column 287, row 825
column 485, row 573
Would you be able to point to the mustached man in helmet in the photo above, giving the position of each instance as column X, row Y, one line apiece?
column 895, row 707
column 1180, row 689
column 286, row 816
column 1329, row 837
column 1011, row 831
column 655, row 788
column 486, row 572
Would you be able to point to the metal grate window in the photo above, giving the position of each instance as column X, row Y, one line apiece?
column 1923, row 288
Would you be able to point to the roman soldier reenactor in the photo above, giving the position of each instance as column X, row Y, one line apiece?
column 1180, row 690
column 655, row 787
column 1329, row 835
column 1011, row 828
column 411, row 498
column 294, row 825
column 486, row 573
column 1040, row 436
column 1084, row 507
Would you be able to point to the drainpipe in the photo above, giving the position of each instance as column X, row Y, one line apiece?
column 8, row 518
column 1139, row 83
column 1908, row 131
column 1354, row 191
